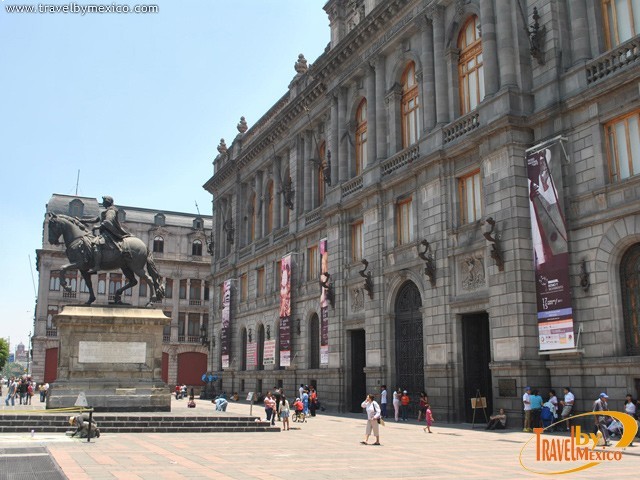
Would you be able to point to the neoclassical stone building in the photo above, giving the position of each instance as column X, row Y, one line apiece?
column 179, row 245
column 409, row 143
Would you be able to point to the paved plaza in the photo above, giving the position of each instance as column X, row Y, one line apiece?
column 325, row 447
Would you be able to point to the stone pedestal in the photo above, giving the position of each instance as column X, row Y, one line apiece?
column 114, row 355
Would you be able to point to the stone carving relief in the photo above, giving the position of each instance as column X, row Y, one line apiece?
column 357, row 299
column 472, row 272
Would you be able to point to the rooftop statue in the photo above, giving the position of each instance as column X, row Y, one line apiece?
column 111, row 249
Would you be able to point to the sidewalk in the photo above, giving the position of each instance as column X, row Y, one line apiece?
column 326, row 447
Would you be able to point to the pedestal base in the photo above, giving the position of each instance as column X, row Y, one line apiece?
column 111, row 397
column 112, row 354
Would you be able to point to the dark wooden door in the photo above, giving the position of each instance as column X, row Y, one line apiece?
column 476, row 352
column 409, row 347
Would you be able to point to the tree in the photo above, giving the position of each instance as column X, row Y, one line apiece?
column 4, row 352
column 13, row 370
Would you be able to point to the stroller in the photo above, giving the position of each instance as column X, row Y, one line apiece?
column 546, row 416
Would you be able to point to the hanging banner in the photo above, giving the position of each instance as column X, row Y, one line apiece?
column 324, row 304
column 269, row 356
column 225, row 333
column 285, row 312
column 252, row 354
column 551, row 249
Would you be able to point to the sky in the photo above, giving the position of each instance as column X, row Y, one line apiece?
column 133, row 105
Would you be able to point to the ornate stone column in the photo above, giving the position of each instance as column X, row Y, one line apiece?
column 333, row 140
column 427, row 98
column 306, row 170
column 580, row 49
column 380, row 113
column 440, row 69
column 343, row 156
column 506, row 49
column 489, row 47
column 370, row 82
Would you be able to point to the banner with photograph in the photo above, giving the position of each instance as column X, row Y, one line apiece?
column 285, row 312
column 550, row 249
column 269, row 356
column 324, row 303
column 225, row 331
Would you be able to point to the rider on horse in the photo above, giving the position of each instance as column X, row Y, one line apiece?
column 111, row 232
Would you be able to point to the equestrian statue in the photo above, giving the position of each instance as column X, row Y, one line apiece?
column 111, row 248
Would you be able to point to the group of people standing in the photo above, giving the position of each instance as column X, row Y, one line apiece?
column 277, row 406
column 533, row 405
column 23, row 388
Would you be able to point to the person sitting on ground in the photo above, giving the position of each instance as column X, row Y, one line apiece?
column 82, row 423
column 497, row 422
column 235, row 397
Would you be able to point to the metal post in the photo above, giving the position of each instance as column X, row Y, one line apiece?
column 90, row 420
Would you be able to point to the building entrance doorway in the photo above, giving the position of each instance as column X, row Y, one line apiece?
column 358, row 362
column 409, row 347
column 476, row 351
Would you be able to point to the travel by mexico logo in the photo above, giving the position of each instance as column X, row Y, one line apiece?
column 553, row 455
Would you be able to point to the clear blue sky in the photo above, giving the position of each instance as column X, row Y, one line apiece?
column 137, row 103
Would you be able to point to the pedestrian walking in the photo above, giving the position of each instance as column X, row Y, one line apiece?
column 11, row 392
column 526, row 402
column 428, row 416
column 373, row 417
column 269, row 408
column 284, row 411
column 601, row 421
column 567, row 405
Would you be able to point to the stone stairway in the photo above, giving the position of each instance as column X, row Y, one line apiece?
column 121, row 423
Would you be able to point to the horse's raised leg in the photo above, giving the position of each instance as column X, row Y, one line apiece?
column 152, row 285
column 63, row 275
column 87, row 280
column 131, row 282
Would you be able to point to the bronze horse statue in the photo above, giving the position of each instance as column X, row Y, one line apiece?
column 78, row 240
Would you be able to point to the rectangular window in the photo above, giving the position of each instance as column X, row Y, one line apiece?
column 206, row 290
column 260, row 282
column 244, row 287
column 621, row 20
column 404, row 219
column 312, row 263
column 54, row 281
column 168, row 288
column 357, row 242
column 470, row 192
column 193, row 327
column 143, row 288
column 195, row 289
column 182, row 320
column 183, row 289
column 622, row 139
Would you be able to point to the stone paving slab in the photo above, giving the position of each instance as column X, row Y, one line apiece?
column 326, row 447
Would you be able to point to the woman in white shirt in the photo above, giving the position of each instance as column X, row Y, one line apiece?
column 373, row 416
column 396, row 402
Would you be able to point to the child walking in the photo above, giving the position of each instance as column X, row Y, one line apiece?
column 429, row 418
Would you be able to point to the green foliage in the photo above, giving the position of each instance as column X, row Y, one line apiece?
column 4, row 352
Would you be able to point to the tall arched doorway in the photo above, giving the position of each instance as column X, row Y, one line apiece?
column 409, row 347
column 630, row 283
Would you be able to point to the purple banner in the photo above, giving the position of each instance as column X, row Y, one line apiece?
column 225, row 333
column 551, row 250
column 285, row 312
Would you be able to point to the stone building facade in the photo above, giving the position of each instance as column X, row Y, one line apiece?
column 179, row 244
column 396, row 145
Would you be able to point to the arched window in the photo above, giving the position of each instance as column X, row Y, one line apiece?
column 361, row 137
column 314, row 342
column 470, row 69
column 196, row 248
column 270, row 206
column 320, row 176
column 409, row 106
column 76, row 208
column 630, row 284
column 158, row 244
column 102, row 283
column 621, row 20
